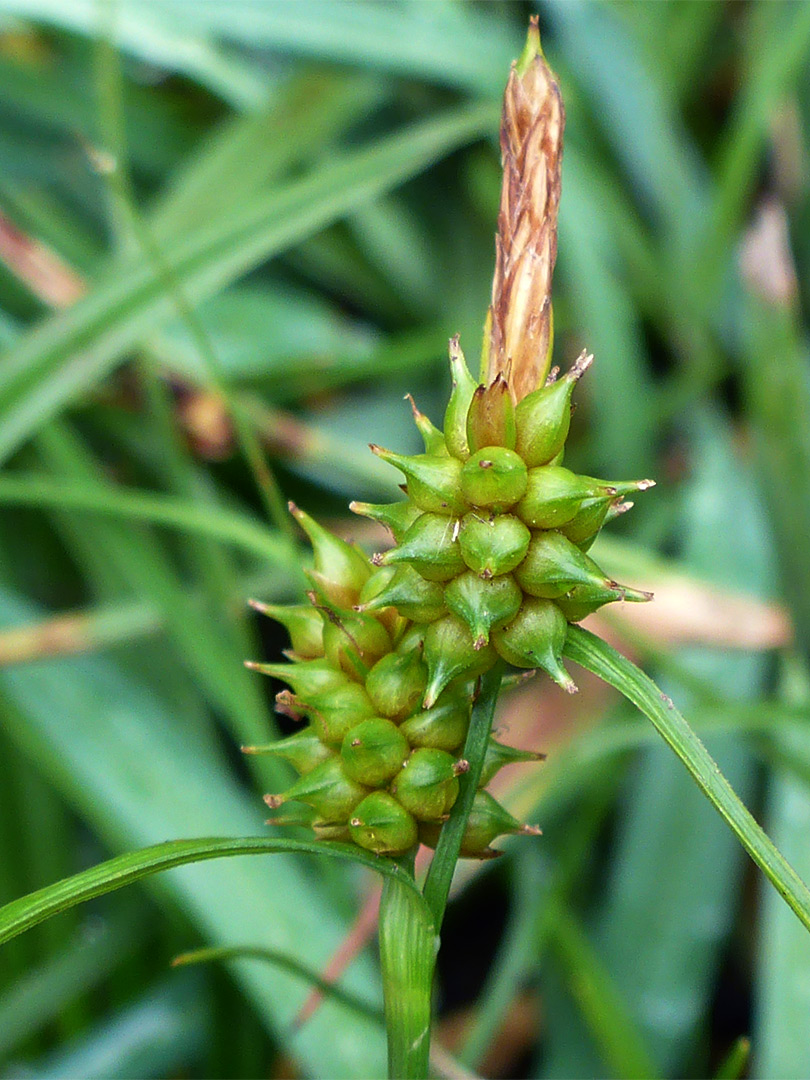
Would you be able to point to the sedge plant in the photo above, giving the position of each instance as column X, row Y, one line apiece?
column 396, row 660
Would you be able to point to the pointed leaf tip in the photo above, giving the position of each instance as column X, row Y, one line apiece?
column 532, row 49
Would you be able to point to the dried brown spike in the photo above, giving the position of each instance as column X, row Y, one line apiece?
column 532, row 125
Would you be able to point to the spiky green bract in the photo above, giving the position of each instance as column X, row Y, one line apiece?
column 327, row 789
column 489, row 566
column 396, row 517
column 488, row 820
column 340, row 569
column 499, row 755
column 304, row 750
column 455, row 418
column 433, row 481
column 301, row 621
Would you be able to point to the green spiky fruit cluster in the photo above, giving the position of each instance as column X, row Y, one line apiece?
column 490, row 564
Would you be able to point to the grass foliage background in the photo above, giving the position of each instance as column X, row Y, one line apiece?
column 252, row 226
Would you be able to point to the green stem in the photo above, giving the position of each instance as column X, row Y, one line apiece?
column 440, row 875
column 408, row 946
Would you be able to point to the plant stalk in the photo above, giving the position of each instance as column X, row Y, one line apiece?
column 408, row 947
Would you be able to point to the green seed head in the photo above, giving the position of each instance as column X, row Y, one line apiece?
column 354, row 641
column 553, row 565
column 340, row 570
column 544, row 416
column 380, row 824
column 488, row 820
column 535, row 638
column 373, row 752
column 433, row 480
column 495, row 478
column 554, row 495
column 327, row 789
column 483, row 603
column 431, row 436
column 499, row 755
column 396, row 517
column 450, row 653
column 427, row 785
column 334, row 712
column 396, row 684
column 306, row 677
column 455, row 418
column 302, row 622
column 443, row 727
column 493, row 545
column 429, row 546
column 407, row 591
column 304, row 750
column 491, row 419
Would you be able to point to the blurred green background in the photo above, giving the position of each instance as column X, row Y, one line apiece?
column 277, row 212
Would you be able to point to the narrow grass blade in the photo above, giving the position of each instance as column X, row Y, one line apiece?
column 71, row 351
column 603, row 660
column 20, row 915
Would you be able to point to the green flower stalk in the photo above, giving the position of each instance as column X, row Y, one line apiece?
column 489, row 563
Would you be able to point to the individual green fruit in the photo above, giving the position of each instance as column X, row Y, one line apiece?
column 442, row 727
column 340, row 569
column 553, row 565
column 495, row 478
column 427, row 786
column 302, row 622
column 488, row 820
column 380, row 824
column 304, row 750
column 327, row 789
column 306, row 677
column 491, row 419
column 493, row 545
column 455, row 418
column 450, row 653
column 483, row 603
column 334, row 712
column 373, row 751
column 409, row 593
column 396, row 517
column 554, row 495
column 544, row 416
column 535, row 638
column 433, row 480
column 354, row 641
column 429, row 546
column 396, row 684
column 498, row 755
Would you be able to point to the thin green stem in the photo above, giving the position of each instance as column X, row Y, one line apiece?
column 408, row 946
column 440, row 875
